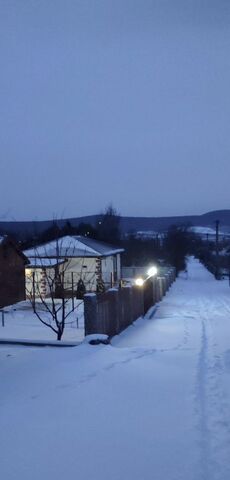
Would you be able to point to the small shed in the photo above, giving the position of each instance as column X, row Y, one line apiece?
column 74, row 258
column 12, row 272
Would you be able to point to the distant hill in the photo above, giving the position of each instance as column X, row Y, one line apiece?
column 161, row 224
column 128, row 224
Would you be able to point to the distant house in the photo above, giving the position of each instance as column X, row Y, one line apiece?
column 12, row 272
column 77, row 257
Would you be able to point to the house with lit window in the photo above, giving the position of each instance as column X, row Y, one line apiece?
column 70, row 259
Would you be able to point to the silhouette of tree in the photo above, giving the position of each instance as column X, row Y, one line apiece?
column 109, row 226
column 177, row 246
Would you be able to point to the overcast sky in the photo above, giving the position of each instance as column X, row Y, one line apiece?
column 122, row 101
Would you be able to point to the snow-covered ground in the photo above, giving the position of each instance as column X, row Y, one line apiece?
column 21, row 322
column 153, row 405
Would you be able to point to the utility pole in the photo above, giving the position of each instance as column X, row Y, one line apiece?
column 217, row 274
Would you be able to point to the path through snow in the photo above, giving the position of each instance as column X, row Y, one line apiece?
column 199, row 309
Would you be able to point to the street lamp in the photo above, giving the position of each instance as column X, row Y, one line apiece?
column 139, row 282
column 152, row 271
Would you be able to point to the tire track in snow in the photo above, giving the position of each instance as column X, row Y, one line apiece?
column 208, row 307
column 211, row 404
column 201, row 406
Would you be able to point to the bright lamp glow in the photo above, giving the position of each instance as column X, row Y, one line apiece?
column 139, row 282
column 152, row 271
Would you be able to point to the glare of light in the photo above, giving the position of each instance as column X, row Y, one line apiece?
column 139, row 282
column 152, row 271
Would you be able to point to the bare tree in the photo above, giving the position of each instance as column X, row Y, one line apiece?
column 53, row 287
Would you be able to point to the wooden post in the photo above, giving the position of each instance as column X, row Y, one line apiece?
column 217, row 274
column 114, row 327
column 33, row 289
column 90, row 313
column 3, row 320
column 72, row 291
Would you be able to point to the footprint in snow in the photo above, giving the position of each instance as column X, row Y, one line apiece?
column 63, row 386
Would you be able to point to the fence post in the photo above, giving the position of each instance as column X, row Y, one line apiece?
column 72, row 291
column 3, row 321
column 125, row 307
column 166, row 282
column 160, row 288
column 170, row 277
column 128, row 305
column 90, row 313
column 114, row 309
column 154, row 282
column 138, row 302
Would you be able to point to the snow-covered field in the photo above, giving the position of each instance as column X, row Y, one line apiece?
column 21, row 322
column 153, row 405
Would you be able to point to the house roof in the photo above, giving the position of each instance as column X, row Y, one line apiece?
column 72, row 246
column 5, row 240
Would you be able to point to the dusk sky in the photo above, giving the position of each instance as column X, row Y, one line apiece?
column 122, row 101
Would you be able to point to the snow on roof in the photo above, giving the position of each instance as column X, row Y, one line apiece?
column 62, row 247
column 101, row 247
column 72, row 246
column 206, row 231
column 43, row 262
column 203, row 230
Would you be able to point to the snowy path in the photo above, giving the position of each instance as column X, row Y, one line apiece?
column 200, row 308
column 154, row 405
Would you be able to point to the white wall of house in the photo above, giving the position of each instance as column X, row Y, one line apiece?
column 29, row 279
column 111, row 265
column 39, row 277
column 106, row 270
column 119, row 266
column 74, row 269
column 84, row 268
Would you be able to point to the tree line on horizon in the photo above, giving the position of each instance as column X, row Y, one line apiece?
column 172, row 247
